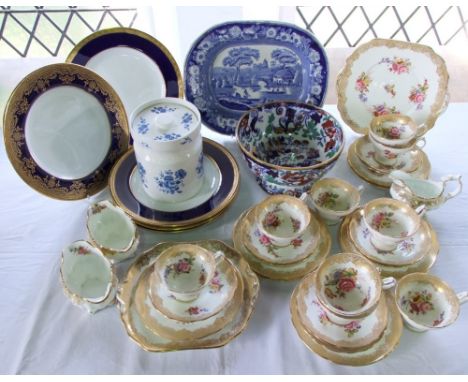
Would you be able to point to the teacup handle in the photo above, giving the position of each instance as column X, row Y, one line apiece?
column 457, row 190
column 307, row 199
column 421, row 210
column 462, row 297
column 423, row 140
column 388, row 282
column 218, row 255
column 304, row 197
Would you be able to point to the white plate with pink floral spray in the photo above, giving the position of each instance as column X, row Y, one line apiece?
column 392, row 77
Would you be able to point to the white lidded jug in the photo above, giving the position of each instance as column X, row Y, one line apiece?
column 168, row 148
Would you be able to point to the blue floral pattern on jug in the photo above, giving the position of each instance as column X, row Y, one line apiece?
column 199, row 168
column 142, row 172
column 162, row 109
column 236, row 66
column 186, row 140
column 167, row 137
column 170, row 182
column 143, row 126
column 187, row 120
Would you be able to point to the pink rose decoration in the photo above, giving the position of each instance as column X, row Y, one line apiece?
column 394, row 132
column 346, row 284
column 183, row 266
column 352, row 325
column 265, row 240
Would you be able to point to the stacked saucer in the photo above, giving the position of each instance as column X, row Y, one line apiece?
column 415, row 252
column 281, row 238
column 186, row 296
column 361, row 159
column 342, row 313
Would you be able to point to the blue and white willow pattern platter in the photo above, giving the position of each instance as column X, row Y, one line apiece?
column 235, row 66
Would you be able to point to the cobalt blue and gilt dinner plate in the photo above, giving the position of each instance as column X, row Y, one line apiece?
column 64, row 128
column 219, row 190
column 235, row 66
column 137, row 66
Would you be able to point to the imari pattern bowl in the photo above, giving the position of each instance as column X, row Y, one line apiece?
column 289, row 145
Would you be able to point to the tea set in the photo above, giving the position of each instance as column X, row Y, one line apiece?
column 347, row 307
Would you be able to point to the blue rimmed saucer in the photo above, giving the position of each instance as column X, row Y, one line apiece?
column 235, row 66
column 139, row 67
column 220, row 188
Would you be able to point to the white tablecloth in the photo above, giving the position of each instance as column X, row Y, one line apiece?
column 42, row 332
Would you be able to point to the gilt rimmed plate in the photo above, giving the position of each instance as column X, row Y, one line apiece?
column 139, row 67
column 161, row 325
column 389, row 76
column 396, row 271
column 356, row 335
column 150, row 341
column 283, row 272
column 64, row 128
column 235, row 66
column 409, row 161
column 164, row 220
column 379, row 350
column 212, row 299
column 379, row 179
column 409, row 251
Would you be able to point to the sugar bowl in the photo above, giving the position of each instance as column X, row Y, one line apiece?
column 87, row 276
column 112, row 231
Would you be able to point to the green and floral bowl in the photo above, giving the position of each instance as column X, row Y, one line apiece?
column 289, row 145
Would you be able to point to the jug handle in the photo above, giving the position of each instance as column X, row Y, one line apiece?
column 398, row 182
column 395, row 179
column 457, row 190
column 462, row 297
column 421, row 210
